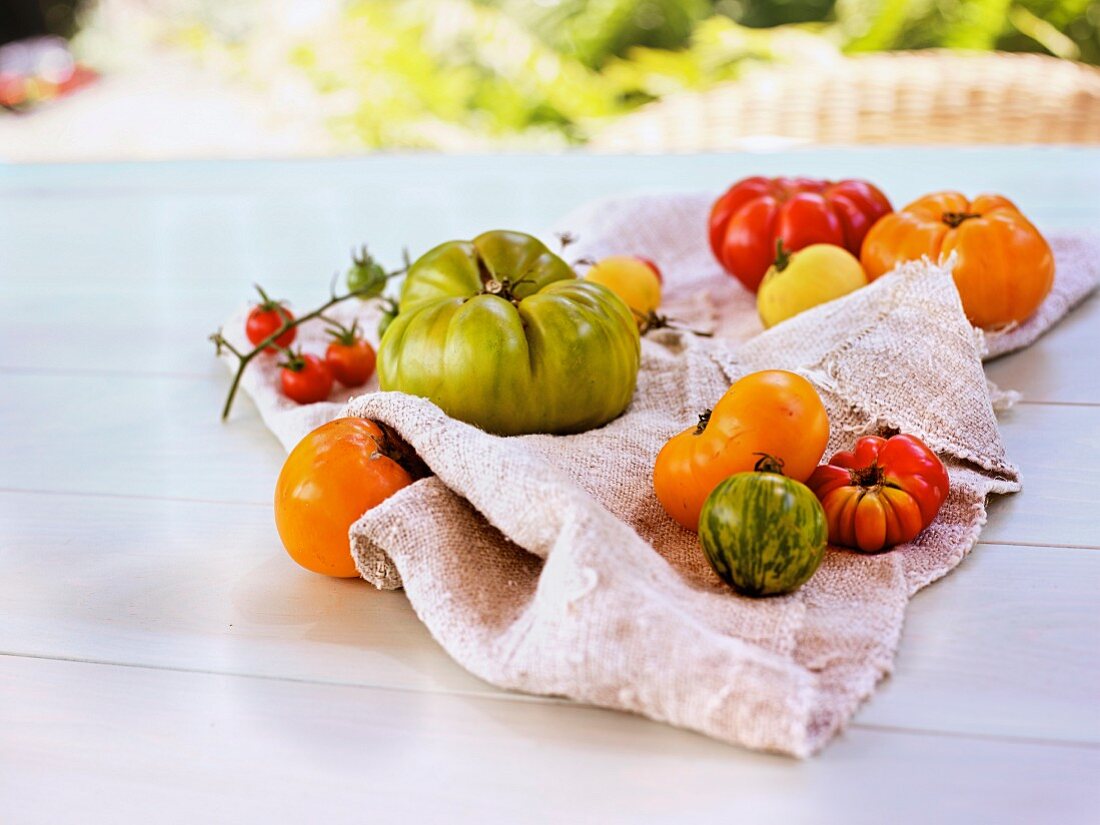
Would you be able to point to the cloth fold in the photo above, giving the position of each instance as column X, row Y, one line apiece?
column 545, row 564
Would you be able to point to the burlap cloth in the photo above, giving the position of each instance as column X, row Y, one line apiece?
column 545, row 564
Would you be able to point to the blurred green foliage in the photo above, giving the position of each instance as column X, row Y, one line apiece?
column 472, row 74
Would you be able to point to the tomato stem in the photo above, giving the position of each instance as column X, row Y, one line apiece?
column 704, row 420
column 348, row 336
column 953, row 219
column 565, row 239
column 651, row 321
column 244, row 359
column 768, row 464
column 869, row 476
column 393, row 447
column 782, row 256
column 294, row 360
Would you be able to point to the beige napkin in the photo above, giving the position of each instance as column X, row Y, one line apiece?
column 545, row 564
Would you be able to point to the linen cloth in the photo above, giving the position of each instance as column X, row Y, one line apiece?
column 545, row 564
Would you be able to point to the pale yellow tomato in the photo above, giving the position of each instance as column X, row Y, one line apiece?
column 633, row 279
column 801, row 280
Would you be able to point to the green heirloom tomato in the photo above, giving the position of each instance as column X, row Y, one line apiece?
column 500, row 332
column 763, row 533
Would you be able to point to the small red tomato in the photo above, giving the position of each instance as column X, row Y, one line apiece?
column 350, row 358
column 881, row 493
column 268, row 317
column 652, row 265
column 306, row 378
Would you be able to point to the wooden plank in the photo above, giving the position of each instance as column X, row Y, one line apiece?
column 135, row 435
column 1004, row 646
column 1060, row 367
column 164, row 438
column 1058, row 451
column 161, row 326
column 202, row 587
column 1040, row 177
column 120, row 743
column 154, row 327
column 263, row 220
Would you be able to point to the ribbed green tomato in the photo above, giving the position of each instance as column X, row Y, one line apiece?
column 499, row 332
column 763, row 533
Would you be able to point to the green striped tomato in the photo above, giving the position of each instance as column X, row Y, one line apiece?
column 763, row 533
column 499, row 332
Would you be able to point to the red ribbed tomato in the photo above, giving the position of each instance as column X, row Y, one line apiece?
column 881, row 493
column 746, row 222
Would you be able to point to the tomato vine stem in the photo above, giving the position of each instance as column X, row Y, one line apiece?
column 650, row 321
column 370, row 291
column 953, row 219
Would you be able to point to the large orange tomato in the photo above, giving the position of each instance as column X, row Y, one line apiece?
column 771, row 414
column 333, row 476
column 1003, row 265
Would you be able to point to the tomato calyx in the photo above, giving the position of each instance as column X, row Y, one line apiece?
column 501, row 287
column 294, row 362
column 768, row 464
column 393, row 447
column 649, row 321
column 704, row 419
column 782, row 255
column 347, row 336
column 268, row 304
column 954, row 219
column 870, row 476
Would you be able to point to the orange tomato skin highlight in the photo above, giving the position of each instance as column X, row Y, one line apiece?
column 1004, row 268
column 331, row 478
column 773, row 412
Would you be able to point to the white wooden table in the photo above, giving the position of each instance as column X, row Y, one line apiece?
column 161, row 659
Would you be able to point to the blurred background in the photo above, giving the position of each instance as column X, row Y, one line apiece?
column 156, row 79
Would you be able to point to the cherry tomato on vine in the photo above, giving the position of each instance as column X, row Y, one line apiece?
column 349, row 357
column 305, row 378
column 268, row 317
column 330, row 479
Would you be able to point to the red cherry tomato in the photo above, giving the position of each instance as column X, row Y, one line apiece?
column 306, row 378
column 349, row 357
column 881, row 493
column 746, row 222
column 266, row 318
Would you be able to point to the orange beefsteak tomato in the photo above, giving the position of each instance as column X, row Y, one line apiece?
column 881, row 493
column 330, row 479
column 773, row 415
column 1004, row 267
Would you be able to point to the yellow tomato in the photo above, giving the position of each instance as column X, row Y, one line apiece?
column 801, row 280
column 632, row 279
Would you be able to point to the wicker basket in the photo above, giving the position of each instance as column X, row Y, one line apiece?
column 901, row 97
